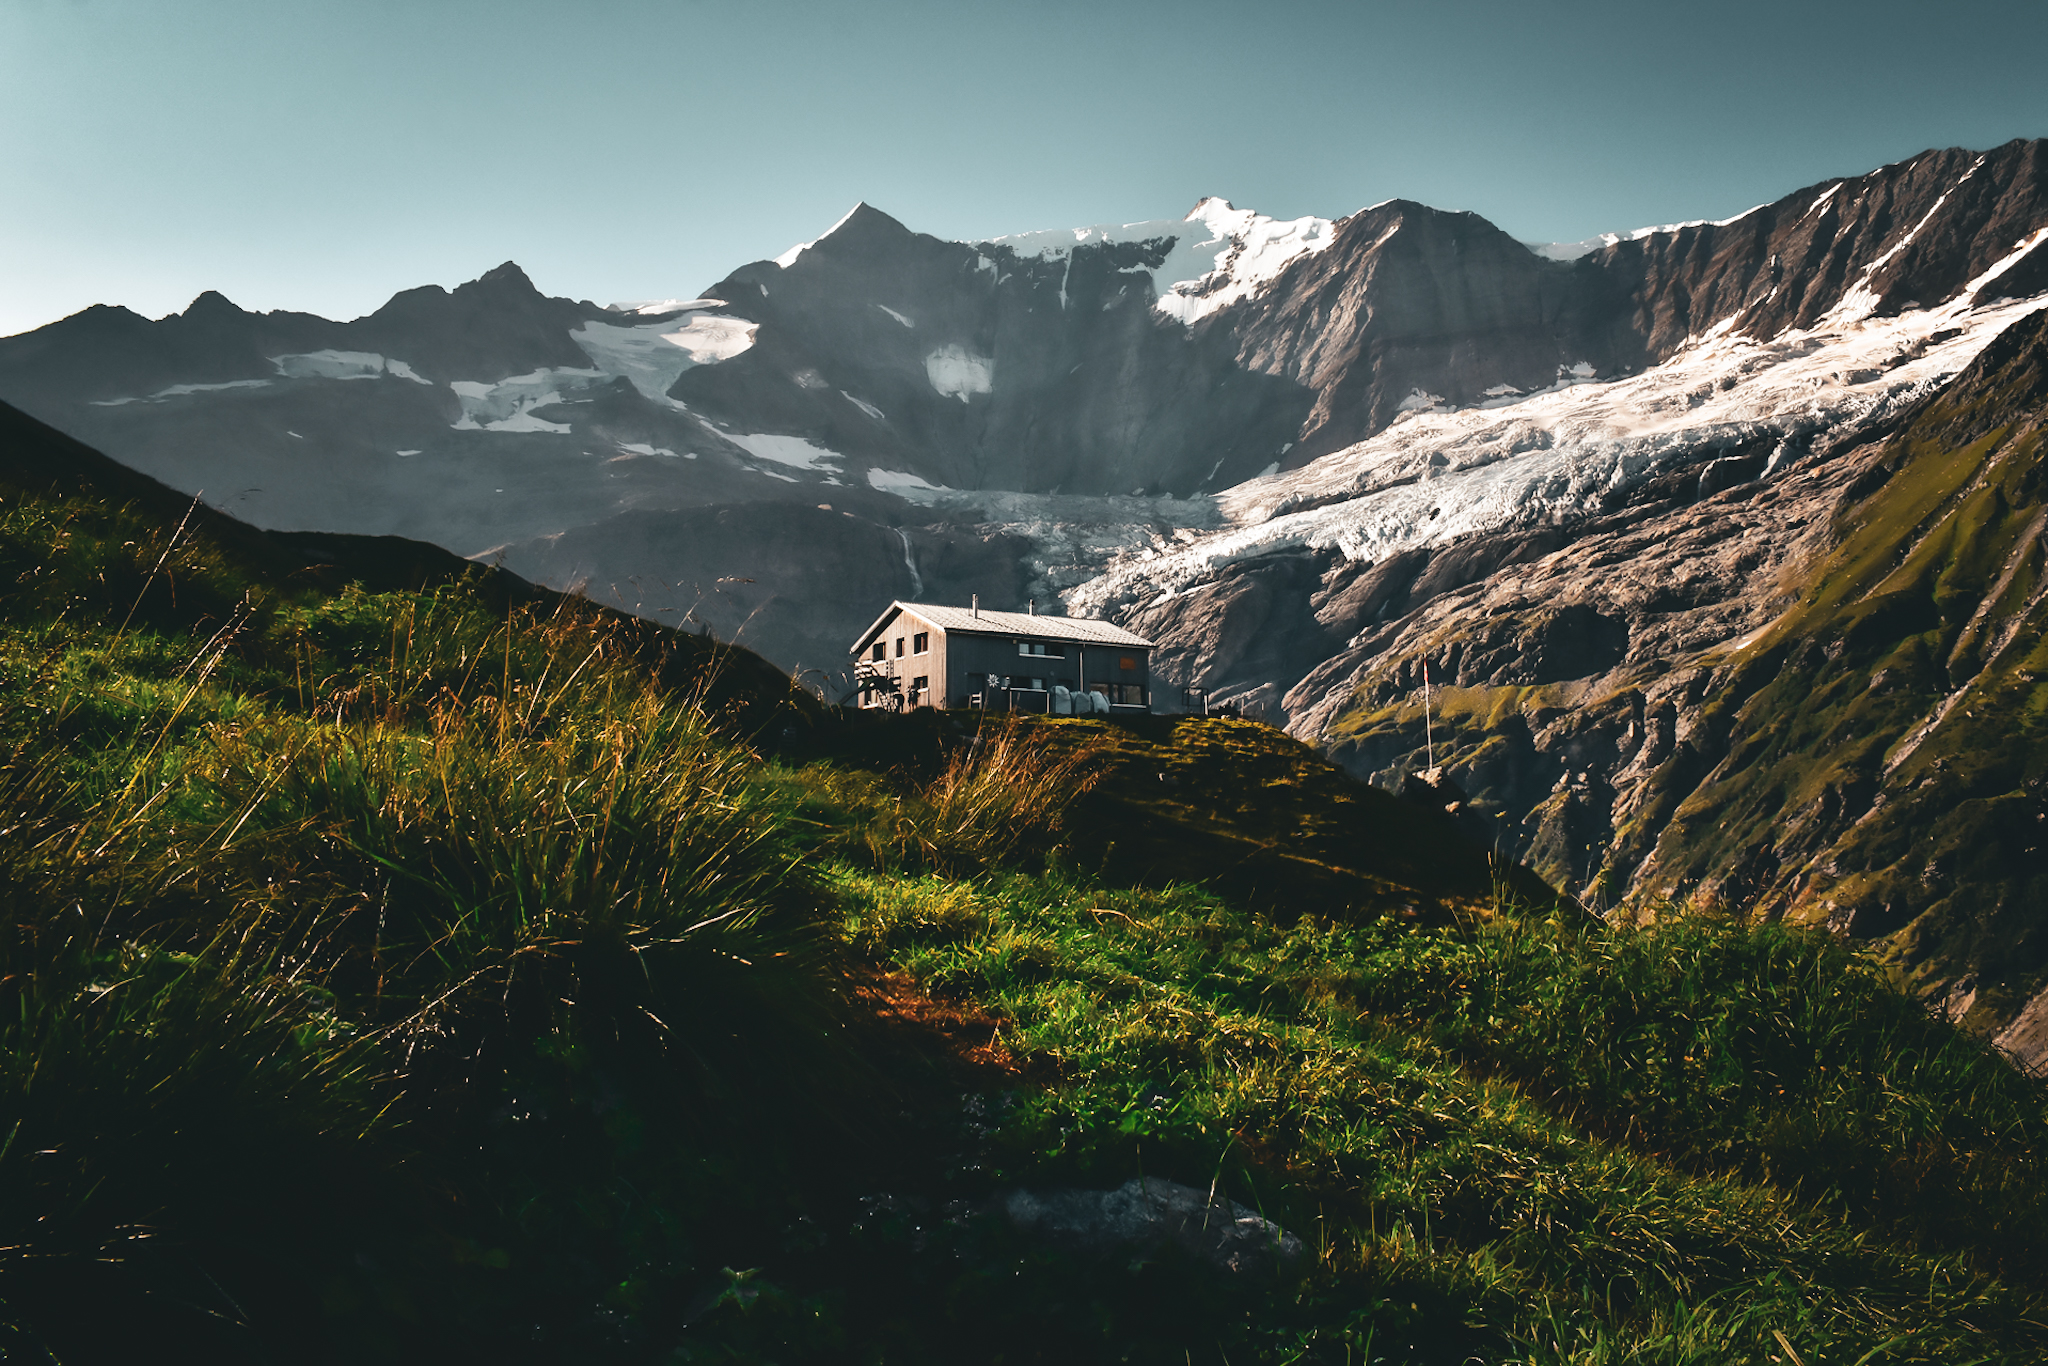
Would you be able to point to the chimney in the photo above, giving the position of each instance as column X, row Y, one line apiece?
column 977, row 607
column 1032, row 607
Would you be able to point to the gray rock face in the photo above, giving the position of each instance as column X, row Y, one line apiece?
column 991, row 370
column 1149, row 1214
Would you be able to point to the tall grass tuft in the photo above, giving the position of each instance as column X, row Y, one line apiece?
column 1002, row 798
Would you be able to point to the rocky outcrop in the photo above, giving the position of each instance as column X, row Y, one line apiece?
column 1150, row 1215
column 1910, row 235
column 1408, row 304
column 972, row 366
column 1811, row 697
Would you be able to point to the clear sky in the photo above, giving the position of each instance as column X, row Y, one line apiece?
column 321, row 156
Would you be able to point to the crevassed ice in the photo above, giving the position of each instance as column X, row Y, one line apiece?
column 1434, row 477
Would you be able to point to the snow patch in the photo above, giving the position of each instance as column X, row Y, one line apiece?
column 507, row 406
column 1218, row 255
column 180, row 390
column 2020, row 251
column 788, row 258
column 870, row 409
column 343, row 365
column 906, row 486
column 652, row 358
column 897, row 316
column 957, row 371
column 793, row 451
column 1572, row 251
column 655, row 307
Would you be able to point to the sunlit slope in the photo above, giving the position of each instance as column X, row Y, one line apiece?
column 1885, row 747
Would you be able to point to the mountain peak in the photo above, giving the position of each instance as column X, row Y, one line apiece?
column 212, row 304
column 507, row 274
column 861, row 222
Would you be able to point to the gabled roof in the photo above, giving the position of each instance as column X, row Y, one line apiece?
column 1016, row 625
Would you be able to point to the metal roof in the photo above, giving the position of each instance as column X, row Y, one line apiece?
column 1025, row 625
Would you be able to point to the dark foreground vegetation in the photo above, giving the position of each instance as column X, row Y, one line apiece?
column 401, row 963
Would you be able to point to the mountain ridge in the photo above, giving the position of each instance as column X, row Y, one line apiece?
column 1301, row 454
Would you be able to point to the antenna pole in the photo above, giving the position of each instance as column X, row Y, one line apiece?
column 1428, row 726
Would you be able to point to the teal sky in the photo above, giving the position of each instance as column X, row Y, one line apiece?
column 323, row 156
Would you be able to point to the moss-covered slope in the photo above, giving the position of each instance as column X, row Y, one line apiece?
column 1886, row 741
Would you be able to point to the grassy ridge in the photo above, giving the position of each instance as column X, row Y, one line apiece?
column 437, row 969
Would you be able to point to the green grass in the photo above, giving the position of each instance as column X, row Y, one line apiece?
column 440, row 970
column 1571, row 1200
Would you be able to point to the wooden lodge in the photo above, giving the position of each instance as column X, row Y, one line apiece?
column 919, row 654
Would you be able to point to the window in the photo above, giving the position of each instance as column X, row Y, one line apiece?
column 921, row 643
column 1037, row 648
column 899, row 647
column 881, row 651
column 918, row 687
column 1127, row 663
column 1127, row 694
column 1035, row 684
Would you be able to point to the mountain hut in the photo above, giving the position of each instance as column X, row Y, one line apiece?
column 920, row 654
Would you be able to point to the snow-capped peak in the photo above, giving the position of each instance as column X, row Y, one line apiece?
column 1220, row 253
column 788, row 258
column 1245, row 251
column 1572, row 251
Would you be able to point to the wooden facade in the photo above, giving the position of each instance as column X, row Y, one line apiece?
column 926, row 655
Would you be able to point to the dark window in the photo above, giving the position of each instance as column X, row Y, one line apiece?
column 1127, row 694
column 918, row 686
column 881, row 651
column 899, row 647
column 921, row 643
column 1035, row 684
